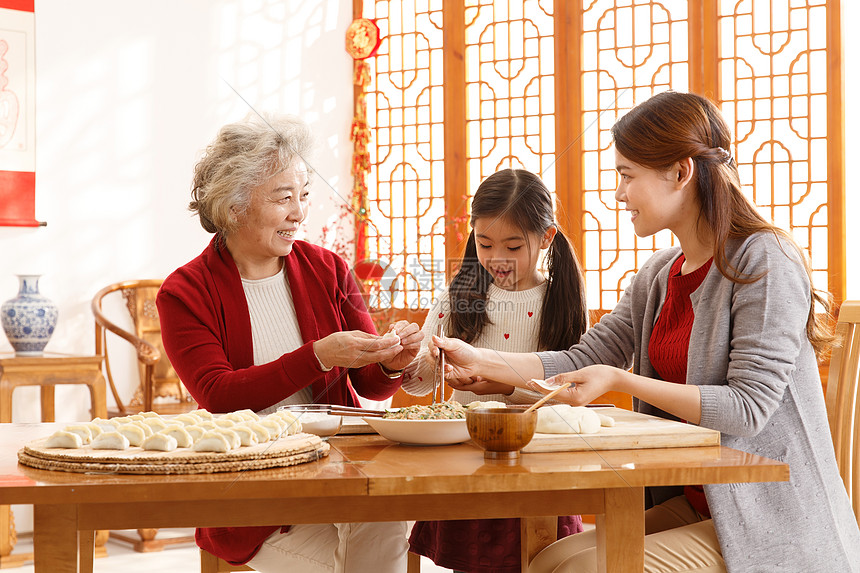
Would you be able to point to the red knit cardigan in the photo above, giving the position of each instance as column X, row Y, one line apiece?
column 206, row 331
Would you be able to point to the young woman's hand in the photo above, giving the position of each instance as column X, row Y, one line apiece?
column 480, row 386
column 410, row 339
column 588, row 384
column 461, row 359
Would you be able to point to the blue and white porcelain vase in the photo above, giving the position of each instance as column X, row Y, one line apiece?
column 29, row 318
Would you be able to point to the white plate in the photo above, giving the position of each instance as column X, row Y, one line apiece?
column 421, row 432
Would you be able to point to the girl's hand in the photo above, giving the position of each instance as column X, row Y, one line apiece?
column 589, row 383
column 461, row 359
column 355, row 349
column 480, row 386
column 410, row 339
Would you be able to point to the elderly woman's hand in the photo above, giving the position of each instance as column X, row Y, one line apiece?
column 410, row 339
column 355, row 348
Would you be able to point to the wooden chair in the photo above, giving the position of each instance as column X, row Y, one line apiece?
column 157, row 376
column 843, row 402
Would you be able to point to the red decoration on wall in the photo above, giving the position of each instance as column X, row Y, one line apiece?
column 362, row 40
column 17, row 115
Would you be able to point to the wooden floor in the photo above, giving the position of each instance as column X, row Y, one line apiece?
column 177, row 559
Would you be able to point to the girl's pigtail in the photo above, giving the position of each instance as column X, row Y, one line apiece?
column 564, row 317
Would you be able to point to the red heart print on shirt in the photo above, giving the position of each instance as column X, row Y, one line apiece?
column 507, row 336
column 530, row 314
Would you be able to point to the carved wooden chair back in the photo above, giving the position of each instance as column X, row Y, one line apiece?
column 843, row 403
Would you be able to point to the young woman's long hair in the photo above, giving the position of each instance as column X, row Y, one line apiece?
column 521, row 198
column 671, row 126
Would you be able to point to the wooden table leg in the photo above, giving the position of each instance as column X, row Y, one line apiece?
column 535, row 534
column 47, row 392
column 86, row 544
column 621, row 531
column 55, row 539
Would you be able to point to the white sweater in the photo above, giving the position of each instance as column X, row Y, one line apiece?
column 514, row 327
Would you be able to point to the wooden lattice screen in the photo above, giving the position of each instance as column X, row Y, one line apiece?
column 461, row 89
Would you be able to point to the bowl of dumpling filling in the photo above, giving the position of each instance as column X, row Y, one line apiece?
column 421, row 425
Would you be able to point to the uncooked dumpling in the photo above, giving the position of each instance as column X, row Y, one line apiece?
column 263, row 434
column 157, row 424
column 196, row 432
column 232, row 437
column 160, row 442
column 566, row 419
column 82, row 430
column 247, row 436
column 188, row 419
column 181, row 435
column 203, row 414
column 133, row 432
column 110, row 441
column 64, row 439
column 212, row 442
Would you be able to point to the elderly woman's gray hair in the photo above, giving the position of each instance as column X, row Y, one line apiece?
column 244, row 155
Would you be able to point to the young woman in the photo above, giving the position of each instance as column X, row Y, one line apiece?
column 722, row 332
column 500, row 300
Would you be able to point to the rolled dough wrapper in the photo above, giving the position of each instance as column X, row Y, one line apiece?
column 566, row 419
column 110, row 441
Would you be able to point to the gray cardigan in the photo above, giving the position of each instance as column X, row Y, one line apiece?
column 760, row 388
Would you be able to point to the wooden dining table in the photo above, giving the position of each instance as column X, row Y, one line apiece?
column 368, row 478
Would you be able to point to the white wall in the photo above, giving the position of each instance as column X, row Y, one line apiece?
column 128, row 94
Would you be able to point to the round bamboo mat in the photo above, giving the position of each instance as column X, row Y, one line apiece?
column 286, row 451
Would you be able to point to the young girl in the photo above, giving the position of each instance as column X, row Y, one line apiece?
column 500, row 300
column 722, row 332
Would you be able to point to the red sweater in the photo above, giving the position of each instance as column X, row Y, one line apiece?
column 206, row 330
column 670, row 342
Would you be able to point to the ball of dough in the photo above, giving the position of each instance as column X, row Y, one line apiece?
column 566, row 419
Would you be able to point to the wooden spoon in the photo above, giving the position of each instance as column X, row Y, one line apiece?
column 547, row 397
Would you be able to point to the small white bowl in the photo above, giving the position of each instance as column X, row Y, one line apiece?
column 320, row 423
column 421, row 432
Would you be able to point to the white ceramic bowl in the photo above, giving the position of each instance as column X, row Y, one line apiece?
column 421, row 432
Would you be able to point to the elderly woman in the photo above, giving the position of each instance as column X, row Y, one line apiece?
column 262, row 319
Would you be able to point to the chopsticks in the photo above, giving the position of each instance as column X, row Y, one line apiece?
column 334, row 409
column 439, row 375
column 546, row 397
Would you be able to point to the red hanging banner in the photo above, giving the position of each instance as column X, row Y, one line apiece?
column 17, row 114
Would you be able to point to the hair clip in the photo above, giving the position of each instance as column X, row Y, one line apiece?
column 725, row 156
